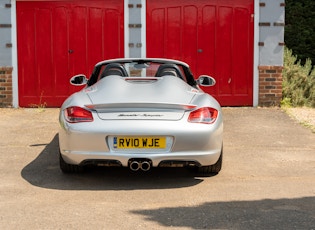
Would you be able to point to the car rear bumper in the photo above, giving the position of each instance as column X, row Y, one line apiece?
column 84, row 143
column 160, row 159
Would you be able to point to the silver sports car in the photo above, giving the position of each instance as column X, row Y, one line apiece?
column 141, row 113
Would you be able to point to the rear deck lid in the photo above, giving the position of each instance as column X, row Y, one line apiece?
column 164, row 98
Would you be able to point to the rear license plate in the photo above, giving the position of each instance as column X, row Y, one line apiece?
column 139, row 142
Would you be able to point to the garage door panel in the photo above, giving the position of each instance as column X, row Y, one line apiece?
column 218, row 41
column 26, row 51
column 60, row 30
column 207, row 42
column 44, row 52
column 156, row 36
column 113, row 35
column 173, row 32
column 95, row 36
column 190, row 29
column 207, row 46
column 77, row 47
column 241, row 38
column 58, row 39
column 224, row 58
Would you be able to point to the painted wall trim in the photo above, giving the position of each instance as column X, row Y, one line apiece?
column 143, row 29
column 256, row 54
column 135, row 28
column 126, row 23
column 15, row 85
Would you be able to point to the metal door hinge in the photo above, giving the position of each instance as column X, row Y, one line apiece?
column 135, row 25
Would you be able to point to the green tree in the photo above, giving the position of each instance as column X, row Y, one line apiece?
column 300, row 28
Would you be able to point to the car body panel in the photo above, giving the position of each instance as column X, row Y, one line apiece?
column 137, row 109
column 86, row 142
column 123, row 90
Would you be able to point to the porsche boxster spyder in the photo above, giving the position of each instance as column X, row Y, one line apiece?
column 141, row 113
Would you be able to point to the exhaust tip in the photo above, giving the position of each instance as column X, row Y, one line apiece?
column 145, row 166
column 140, row 163
column 134, row 166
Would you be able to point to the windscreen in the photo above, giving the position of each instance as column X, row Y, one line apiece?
column 145, row 69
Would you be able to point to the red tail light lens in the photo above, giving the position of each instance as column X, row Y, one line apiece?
column 203, row 115
column 77, row 114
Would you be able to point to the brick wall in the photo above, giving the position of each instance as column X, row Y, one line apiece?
column 270, row 85
column 6, row 86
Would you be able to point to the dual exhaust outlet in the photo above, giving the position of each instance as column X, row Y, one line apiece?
column 136, row 165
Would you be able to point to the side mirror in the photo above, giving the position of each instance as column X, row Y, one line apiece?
column 205, row 80
column 78, row 80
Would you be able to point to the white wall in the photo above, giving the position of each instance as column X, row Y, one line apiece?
column 5, row 34
column 271, row 53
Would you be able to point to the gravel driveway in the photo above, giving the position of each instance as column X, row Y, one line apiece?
column 304, row 115
column 267, row 181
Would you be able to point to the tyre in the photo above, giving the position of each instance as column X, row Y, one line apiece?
column 212, row 169
column 69, row 168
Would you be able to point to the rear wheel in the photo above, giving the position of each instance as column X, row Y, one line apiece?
column 69, row 168
column 215, row 168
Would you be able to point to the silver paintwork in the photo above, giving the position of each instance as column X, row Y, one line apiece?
column 141, row 108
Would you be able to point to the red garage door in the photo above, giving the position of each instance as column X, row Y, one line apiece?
column 215, row 37
column 58, row 39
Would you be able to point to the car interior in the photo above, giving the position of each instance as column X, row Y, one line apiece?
column 168, row 69
column 114, row 69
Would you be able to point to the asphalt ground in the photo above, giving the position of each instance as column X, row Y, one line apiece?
column 267, row 180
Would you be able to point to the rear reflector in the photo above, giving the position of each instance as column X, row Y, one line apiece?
column 76, row 114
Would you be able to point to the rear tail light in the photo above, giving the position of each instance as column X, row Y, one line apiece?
column 77, row 114
column 205, row 115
